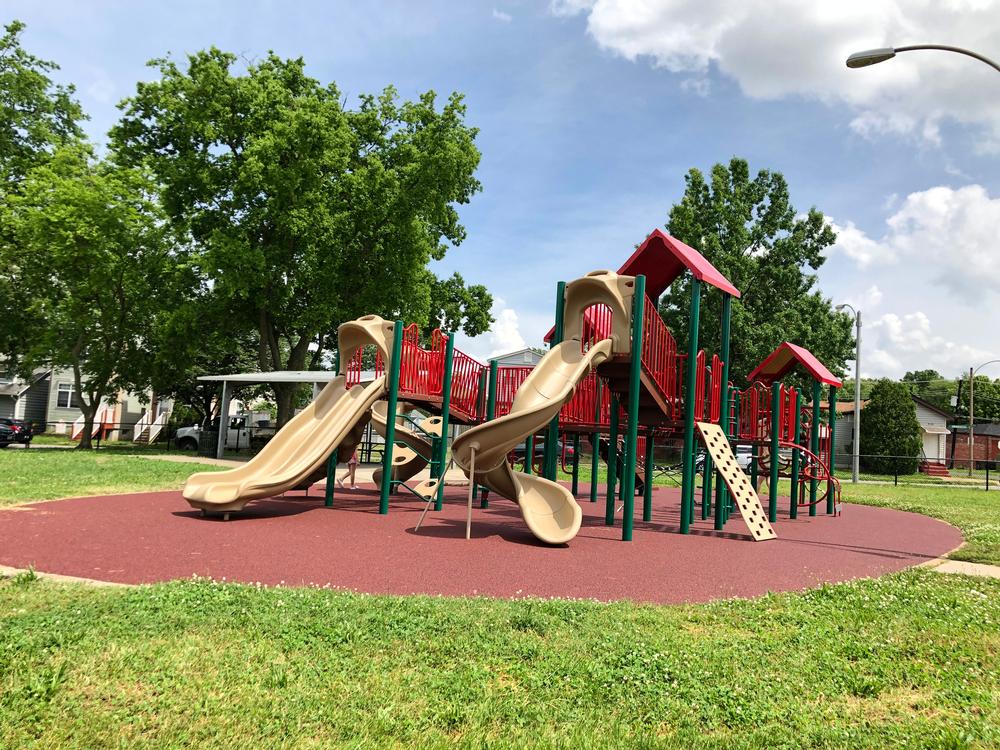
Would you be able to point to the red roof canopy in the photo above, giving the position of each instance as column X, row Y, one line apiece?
column 784, row 358
column 662, row 258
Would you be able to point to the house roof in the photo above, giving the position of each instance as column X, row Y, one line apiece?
column 847, row 407
column 990, row 429
column 662, row 258
column 781, row 361
column 932, row 407
column 517, row 352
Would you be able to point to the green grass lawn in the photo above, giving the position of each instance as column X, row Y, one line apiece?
column 27, row 475
column 910, row 660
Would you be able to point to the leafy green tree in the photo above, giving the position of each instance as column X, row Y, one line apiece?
column 986, row 398
column 304, row 213
column 36, row 115
column 89, row 258
column 747, row 228
column 890, row 433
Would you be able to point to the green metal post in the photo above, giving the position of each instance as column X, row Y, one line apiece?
column 576, row 463
column 529, row 454
column 595, row 439
column 632, row 436
column 706, row 487
column 331, row 478
column 390, row 423
column 687, row 481
column 830, row 501
column 772, row 489
column 449, row 364
column 814, row 443
column 609, row 509
column 491, row 409
column 721, row 492
column 793, row 495
column 551, row 460
column 647, row 479
column 727, row 505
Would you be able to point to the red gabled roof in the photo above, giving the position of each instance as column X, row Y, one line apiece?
column 662, row 258
column 784, row 358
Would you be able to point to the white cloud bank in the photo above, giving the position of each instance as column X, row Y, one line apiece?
column 779, row 48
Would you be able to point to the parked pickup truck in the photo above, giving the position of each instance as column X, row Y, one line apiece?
column 245, row 431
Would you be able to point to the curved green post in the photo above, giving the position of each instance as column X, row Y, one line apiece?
column 491, row 410
column 647, row 494
column 793, row 495
column 814, row 443
column 390, row 423
column 449, row 365
column 609, row 509
column 551, row 455
column 632, row 434
column 576, row 463
column 772, row 489
column 595, row 441
column 830, row 500
column 706, row 486
column 687, row 477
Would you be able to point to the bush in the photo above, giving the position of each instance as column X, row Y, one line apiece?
column 889, row 430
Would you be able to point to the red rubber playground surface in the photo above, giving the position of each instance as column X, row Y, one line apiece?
column 296, row 541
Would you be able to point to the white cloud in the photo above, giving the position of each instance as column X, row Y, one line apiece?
column 951, row 233
column 501, row 16
column 780, row 48
column 896, row 343
column 505, row 335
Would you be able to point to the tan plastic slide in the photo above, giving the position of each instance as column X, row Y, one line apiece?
column 300, row 449
column 549, row 509
column 409, row 462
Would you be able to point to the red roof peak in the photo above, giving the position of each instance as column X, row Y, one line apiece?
column 779, row 362
column 662, row 258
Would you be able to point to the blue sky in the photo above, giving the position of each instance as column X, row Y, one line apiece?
column 591, row 113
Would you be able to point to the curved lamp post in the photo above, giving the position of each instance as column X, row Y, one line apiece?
column 856, row 448
column 972, row 381
column 875, row 56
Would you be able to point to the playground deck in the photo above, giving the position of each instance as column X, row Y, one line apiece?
column 296, row 541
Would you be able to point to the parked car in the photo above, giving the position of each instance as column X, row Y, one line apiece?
column 7, row 436
column 744, row 453
column 238, row 436
column 22, row 429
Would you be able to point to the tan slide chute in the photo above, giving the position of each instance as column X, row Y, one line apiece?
column 300, row 449
column 418, row 447
column 549, row 509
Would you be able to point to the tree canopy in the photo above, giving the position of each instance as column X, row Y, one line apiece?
column 747, row 227
column 890, row 433
column 302, row 213
column 89, row 258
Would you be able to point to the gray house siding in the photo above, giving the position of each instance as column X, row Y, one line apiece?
column 33, row 402
column 6, row 406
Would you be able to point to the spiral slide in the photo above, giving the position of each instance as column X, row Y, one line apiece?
column 299, row 451
column 417, row 449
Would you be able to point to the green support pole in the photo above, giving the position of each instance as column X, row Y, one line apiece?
column 576, row 463
column 609, row 509
column 647, row 478
column 728, row 498
column 390, row 423
column 331, row 478
column 491, row 409
column 449, row 364
column 632, row 436
column 754, row 465
column 706, row 487
column 772, row 489
column 793, row 495
column 687, row 480
column 814, row 442
column 595, row 439
column 551, row 456
column 721, row 491
column 830, row 501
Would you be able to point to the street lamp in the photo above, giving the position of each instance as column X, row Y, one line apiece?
column 857, row 391
column 972, row 380
column 875, row 56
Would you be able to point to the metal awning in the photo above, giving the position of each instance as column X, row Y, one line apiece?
column 935, row 430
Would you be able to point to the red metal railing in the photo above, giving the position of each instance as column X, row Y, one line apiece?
column 421, row 371
column 755, row 412
column 466, row 377
column 596, row 325
column 352, row 373
column 699, row 386
column 715, row 408
column 659, row 356
column 509, row 379
column 581, row 409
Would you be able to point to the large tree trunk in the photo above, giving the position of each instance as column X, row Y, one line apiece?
column 285, row 396
column 86, row 437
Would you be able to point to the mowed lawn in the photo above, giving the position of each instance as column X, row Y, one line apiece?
column 46, row 474
column 911, row 660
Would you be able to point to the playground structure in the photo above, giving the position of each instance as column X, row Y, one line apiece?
column 613, row 369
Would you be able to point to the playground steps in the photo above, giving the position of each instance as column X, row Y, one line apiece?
column 932, row 469
column 427, row 489
column 654, row 408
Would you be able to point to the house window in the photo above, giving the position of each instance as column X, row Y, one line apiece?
column 66, row 397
